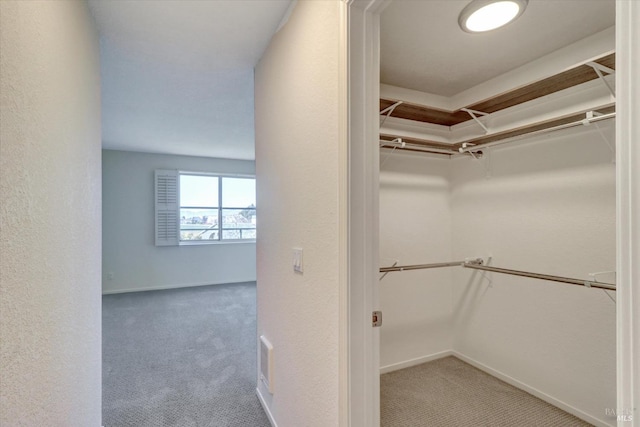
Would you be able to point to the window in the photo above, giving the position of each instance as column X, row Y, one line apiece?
column 238, row 208
column 199, row 207
column 217, row 207
column 205, row 208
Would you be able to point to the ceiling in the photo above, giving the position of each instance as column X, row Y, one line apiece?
column 424, row 49
column 177, row 76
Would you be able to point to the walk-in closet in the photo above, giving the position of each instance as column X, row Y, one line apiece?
column 498, row 216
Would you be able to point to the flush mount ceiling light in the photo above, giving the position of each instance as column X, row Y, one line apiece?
column 485, row 15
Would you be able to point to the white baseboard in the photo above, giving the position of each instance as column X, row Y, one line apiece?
column 266, row 408
column 414, row 362
column 163, row 287
column 537, row 393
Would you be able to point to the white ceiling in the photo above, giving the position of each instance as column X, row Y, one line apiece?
column 424, row 49
column 177, row 76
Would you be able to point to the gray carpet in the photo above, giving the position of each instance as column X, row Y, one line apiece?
column 451, row 393
column 181, row 357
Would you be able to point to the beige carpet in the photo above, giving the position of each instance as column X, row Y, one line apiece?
column 449, row 392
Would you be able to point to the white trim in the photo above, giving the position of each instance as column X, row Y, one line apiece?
column 364, row 97
column 531, row 390
column 414, row 362
column 216, row 174
column 216, row 242
column 266, row 408
column 362, row 32
column 628, row 209
column 343, row 220
column 174, row 286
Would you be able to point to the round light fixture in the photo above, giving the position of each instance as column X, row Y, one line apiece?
column 485, row 15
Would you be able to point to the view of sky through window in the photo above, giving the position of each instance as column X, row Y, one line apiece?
column 238, row 192
column 198, row 191
column 210, row 211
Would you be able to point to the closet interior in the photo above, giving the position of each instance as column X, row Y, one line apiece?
column 497, row 216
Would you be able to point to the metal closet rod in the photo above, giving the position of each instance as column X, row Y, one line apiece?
column 590, row 118
column 420, row 266
column 568, row 280
column 398, row 143
column 478, row 265
column 415, row 147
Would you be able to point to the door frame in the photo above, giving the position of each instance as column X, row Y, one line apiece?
column 628, row 210
column 360, row 375
column 362, row 358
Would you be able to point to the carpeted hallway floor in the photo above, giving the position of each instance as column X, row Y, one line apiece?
column 182, row 357
column 451, row 393
column 187, row 358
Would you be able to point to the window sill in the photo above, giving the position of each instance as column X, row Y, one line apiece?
column 214, row 242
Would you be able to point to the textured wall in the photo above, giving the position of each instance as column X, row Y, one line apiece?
column 549, row 207
column 130, row 259
column 50, row 336
column 415, row 228
column 297, row 170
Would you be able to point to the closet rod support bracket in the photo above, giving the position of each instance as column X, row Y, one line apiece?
column 390, row 108
column 599, row 69
column 474, row 115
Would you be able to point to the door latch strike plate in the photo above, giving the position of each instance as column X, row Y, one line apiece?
column 376, row 319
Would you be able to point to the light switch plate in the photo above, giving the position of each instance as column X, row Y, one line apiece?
column 297, row 260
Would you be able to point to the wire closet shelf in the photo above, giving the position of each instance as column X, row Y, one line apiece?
column 471, row 148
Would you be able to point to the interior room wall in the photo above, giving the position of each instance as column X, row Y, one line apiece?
column 544, row 205
column 549, row 207
column 131, row 261
column 50, row 327
column 297, row 167
column 415, row 228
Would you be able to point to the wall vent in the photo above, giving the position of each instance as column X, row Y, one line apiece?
column 266, row 363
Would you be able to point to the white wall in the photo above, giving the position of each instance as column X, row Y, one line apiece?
column 128, row 246
column 50, row 352
column 297, row 167
column 548, row 207
column 415, row 228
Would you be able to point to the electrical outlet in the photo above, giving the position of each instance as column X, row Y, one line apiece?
column 110, row 275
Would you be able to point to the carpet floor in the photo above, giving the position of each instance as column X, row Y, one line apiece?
column 451, row 393
column 181, row 357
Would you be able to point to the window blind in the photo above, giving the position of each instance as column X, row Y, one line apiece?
column 167, row 207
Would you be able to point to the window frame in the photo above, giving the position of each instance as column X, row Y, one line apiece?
column 220, row 208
